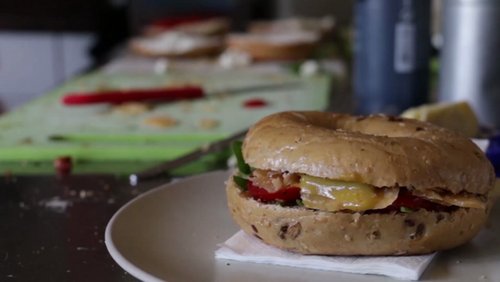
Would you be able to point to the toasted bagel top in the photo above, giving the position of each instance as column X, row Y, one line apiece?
column 383, row 151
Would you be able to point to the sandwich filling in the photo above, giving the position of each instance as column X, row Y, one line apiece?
column 338, row 195
column 333, row 195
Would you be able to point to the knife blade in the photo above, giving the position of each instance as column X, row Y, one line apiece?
column 163, row 168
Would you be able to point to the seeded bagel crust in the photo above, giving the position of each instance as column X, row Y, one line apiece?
column 377, row 150
column 310, row 231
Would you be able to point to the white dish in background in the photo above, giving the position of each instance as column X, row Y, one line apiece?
column 172, row 232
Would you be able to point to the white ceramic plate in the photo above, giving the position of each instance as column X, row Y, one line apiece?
column 171, row 233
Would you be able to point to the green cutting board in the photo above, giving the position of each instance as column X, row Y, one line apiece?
column 100, row 133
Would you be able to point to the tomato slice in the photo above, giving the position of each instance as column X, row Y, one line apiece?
column 285, row 194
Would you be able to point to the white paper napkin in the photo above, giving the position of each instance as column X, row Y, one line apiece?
column 246, row 248
column 481, row 143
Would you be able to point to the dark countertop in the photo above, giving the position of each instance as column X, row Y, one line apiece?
column 53, row 227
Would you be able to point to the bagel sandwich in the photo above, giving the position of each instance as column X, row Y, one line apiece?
column 336, row 184
column 277, row 47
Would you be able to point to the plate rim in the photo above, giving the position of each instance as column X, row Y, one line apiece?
column 112, row 249
column 117, row 256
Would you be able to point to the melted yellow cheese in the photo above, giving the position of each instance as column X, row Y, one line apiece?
column 460, row 200
column 335, row 195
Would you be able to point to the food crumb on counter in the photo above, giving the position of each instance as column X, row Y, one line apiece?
column 276, row 78
column 209, row 107
column 103, row 87
column 85, row 194
column 25, row 141
column 205, row 147
column 208, row 123
column 186, row 106
column 161, row 121
column 221, row 95
column 56, row 204
column 131, row 108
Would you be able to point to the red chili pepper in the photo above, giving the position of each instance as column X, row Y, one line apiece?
column 285, row 194
column 255, row 103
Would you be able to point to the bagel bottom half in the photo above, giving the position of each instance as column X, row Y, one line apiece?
column 264, row 52
column 309, row 231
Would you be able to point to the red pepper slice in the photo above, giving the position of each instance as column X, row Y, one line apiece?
column 285, row 194
column 132, row 95
column 255, row 103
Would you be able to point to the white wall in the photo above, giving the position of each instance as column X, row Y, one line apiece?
column 32, row 63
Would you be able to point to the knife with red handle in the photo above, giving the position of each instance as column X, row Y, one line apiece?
column 166, row 94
